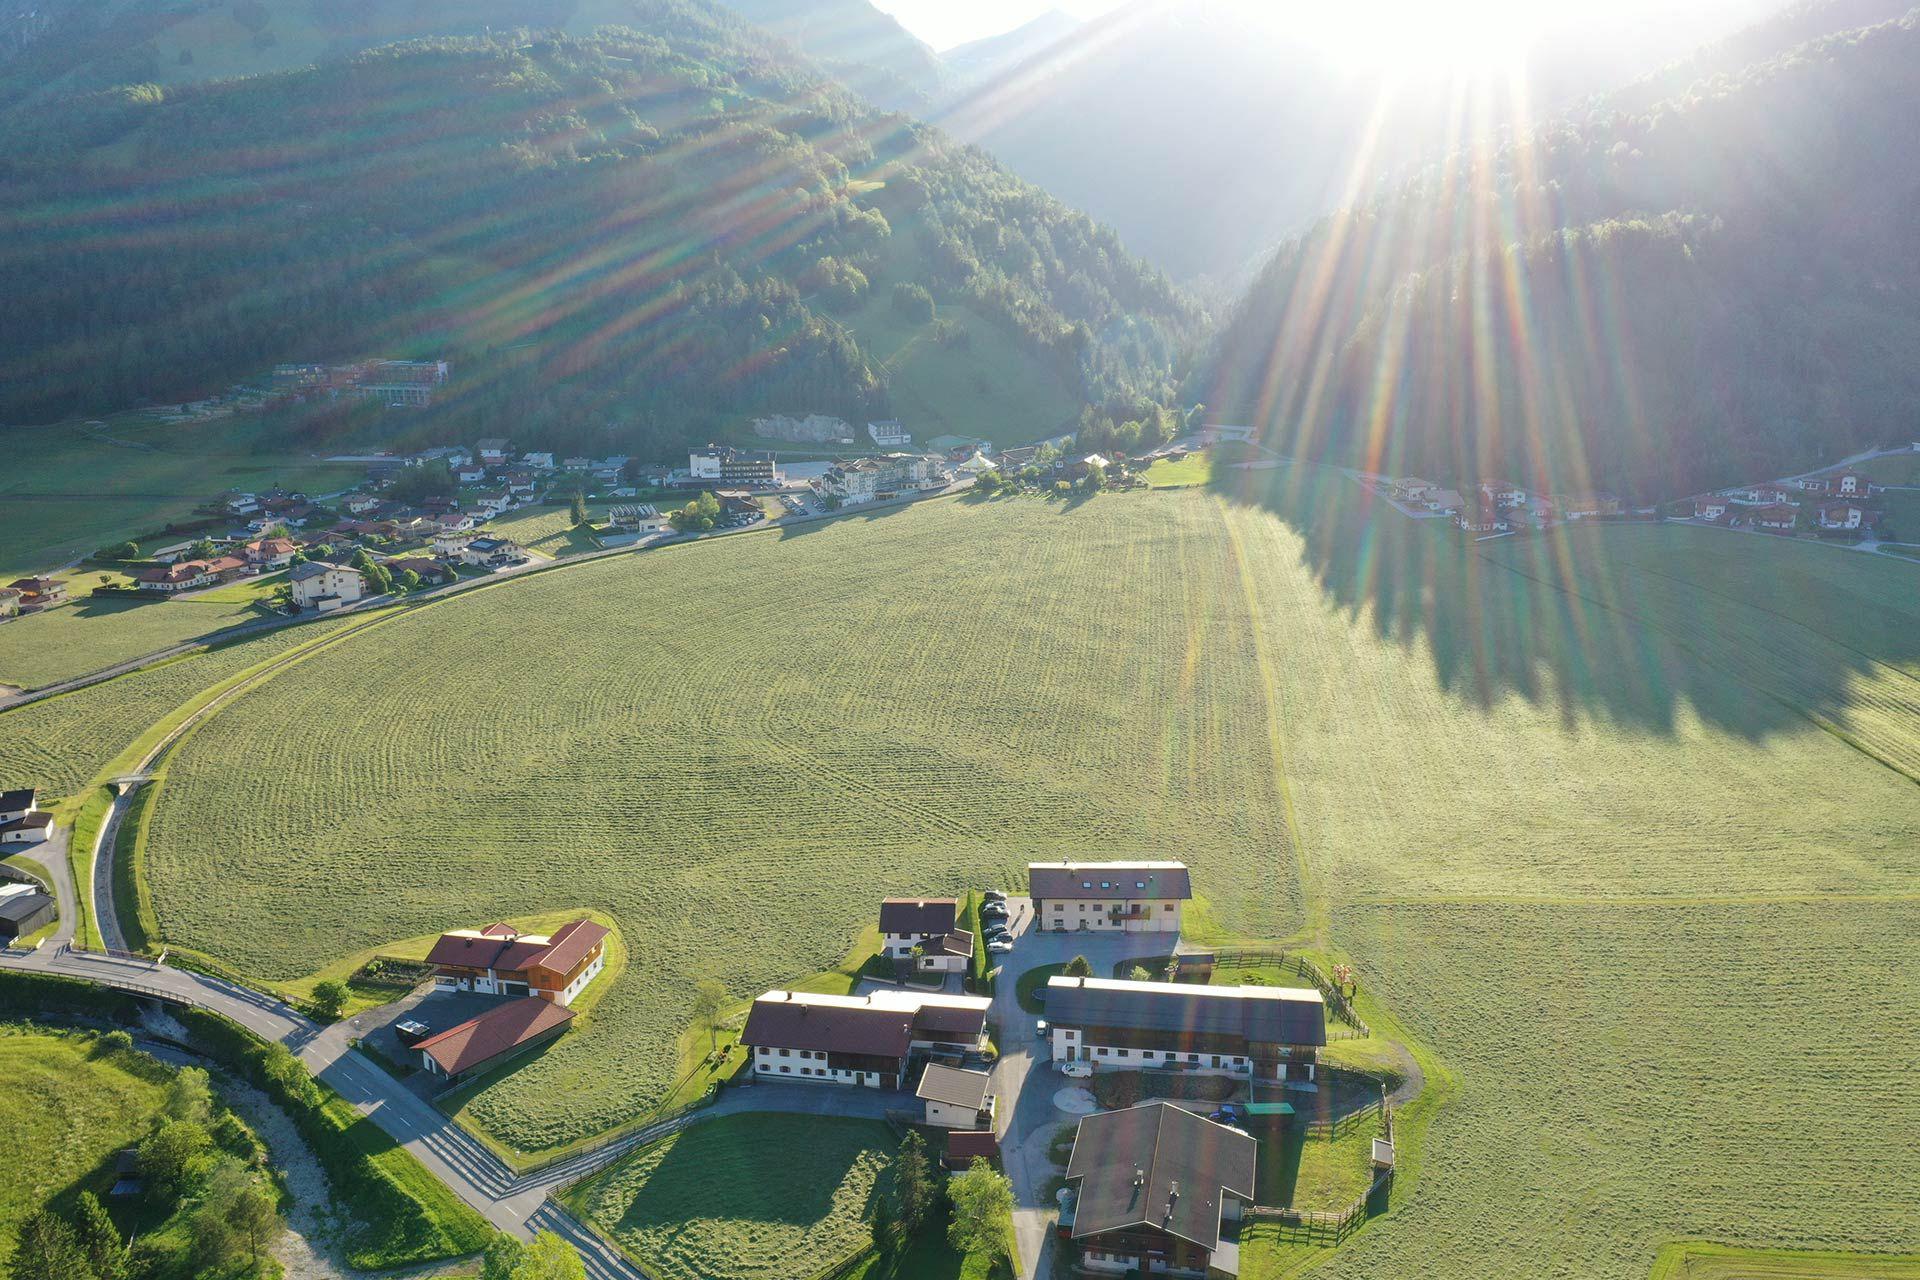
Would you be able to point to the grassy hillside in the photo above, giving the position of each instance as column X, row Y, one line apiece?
column 621, row 241
column 1602, row 843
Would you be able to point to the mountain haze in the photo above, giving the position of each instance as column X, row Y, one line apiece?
column 1723, row 285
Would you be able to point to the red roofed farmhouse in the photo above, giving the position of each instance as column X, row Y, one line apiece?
column 496, row 1034
column 499, row 960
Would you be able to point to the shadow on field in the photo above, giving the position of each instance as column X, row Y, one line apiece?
column 1629, row 622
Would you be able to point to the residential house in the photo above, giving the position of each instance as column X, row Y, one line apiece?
column 1841, row 515
column 483, row 553
column 1483, row 516
column 360, row 503
column 1014, row 461
column 1764, row 495
column 242, row 504
column 1586, row 506
column 9, row 602
column 451, row 542
column 956, row 1098
column 737, row 502
column 860, row 480
column 431, row 572
column 28, row 828
column 860, row 1040
column 637, row 518
column 521, row 484
column 1261, row 1033
column 39, row 593
column 1112, row 897
column 469, row 473
column 1850, row 484
column 24, row 909
column 1443, row 501
column 1811, row 484
column 452, row 522
column 493, row 450
column 324, row 586
column 906, row 923
column 1413, row 488
column 181, row 575
column 1503, row 493
column 577, row 464
column 1779, row 516
column 1709, row 507
column 493, row 1037
column 891, row 434
column 499, row 960
column 17, row 803
column 1158, row 1190
column 493, row 504
column 537, row 461
column 271, row 553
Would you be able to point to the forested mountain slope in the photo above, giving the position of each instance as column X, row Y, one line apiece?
column 1724, row 285
column 624, row 237
column 863, row 48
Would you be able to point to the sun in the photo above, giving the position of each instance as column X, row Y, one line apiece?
column 1444, row 37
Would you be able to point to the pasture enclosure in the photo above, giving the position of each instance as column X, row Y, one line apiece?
column 1522, row 787
column 744, row 1197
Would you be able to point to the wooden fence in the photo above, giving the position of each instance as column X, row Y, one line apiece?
column 1307, row 972
column 1330, row 1227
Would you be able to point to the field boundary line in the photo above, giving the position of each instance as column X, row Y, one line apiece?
column 1641, row 900
column 1313, row 907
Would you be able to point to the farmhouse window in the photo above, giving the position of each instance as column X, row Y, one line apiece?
column 786, row 1053
column 786, row 1070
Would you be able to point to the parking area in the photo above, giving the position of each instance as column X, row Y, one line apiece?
column 434, row 1010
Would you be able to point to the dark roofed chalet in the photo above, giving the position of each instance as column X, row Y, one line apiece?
column 919, row 917
column 1155, row 1182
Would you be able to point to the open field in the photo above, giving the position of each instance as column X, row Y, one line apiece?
column 547, row 531
column 1615, row 822
column 88, row 634
column 745, row 1197
column 1167, row 473
column 64, row 1113
column 65, row 492
column 59, row 744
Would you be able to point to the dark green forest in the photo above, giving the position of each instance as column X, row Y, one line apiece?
column 1723, row 284
column 617, row 238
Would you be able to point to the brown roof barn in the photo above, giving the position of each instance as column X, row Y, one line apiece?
column 511, row 1028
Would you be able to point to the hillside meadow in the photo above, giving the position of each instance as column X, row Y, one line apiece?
column 90, row 634
column 1615, row 822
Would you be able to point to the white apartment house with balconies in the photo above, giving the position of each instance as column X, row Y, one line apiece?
column 1108, row 897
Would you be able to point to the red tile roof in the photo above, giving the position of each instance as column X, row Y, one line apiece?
column 570, row 946
column 497, row 1031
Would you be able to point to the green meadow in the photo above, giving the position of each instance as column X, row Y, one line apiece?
column 1621, row 825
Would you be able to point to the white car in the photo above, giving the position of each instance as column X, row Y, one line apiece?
column 1076, row 1070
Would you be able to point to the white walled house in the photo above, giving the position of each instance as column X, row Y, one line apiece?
column 956, row 1098
column 1108, row 897
column 906, row 923
column 325, row 586
column 867, row 1041
column 451, row 542
column 501, row 961
column 1264, row 1033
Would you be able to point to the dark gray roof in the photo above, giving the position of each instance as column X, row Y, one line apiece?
column 1109, row 880
column 783, row 1024
column 19, row 907
column 1160, row 1167
column 1267, row 1015
column 954, row 1087
column 918, row 915
column 18, row 798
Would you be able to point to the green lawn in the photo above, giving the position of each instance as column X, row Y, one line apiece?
column 547, row 531
column 744, row 1197
column 1902, row 508
column 1598, row 817
column 72, row 1110
column 90, row 633
column 65, row 493
column 1195, row 468
column 1028, row 987
column 1701, row 1260
column 1315, row 1174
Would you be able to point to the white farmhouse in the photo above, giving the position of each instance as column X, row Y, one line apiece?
column 1108, row 897
column 325, row 586
column 865, row 1040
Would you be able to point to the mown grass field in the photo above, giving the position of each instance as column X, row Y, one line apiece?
column 1698, row 1260
column 65, row 493
column 64, row 1113
column 745, row 1197
column 1616, row 824
column 89, row 634
column 59, row 744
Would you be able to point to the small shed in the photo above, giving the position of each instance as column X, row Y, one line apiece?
column 126, row 1174
column 964, row 1146
column 956, row 1098
column 24, row 910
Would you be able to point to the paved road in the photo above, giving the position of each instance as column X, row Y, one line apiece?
column 1026, row 1083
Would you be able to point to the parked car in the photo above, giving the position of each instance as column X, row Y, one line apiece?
column 411, row 1032
column 999, row 946
column 995, row 910
column 994, row 895
column 1077, row 1070
column 1225, row 1115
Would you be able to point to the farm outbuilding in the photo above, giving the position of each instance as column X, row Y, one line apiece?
column 23, row 910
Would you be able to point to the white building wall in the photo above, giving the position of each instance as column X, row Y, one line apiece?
column 948, row 1116
column 1067, row 1046
column 807, row 1066
column 1096, row 916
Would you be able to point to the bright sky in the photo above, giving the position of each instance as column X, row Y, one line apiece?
column 1360, row 33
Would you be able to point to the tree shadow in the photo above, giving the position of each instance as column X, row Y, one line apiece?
column 1634, row 622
